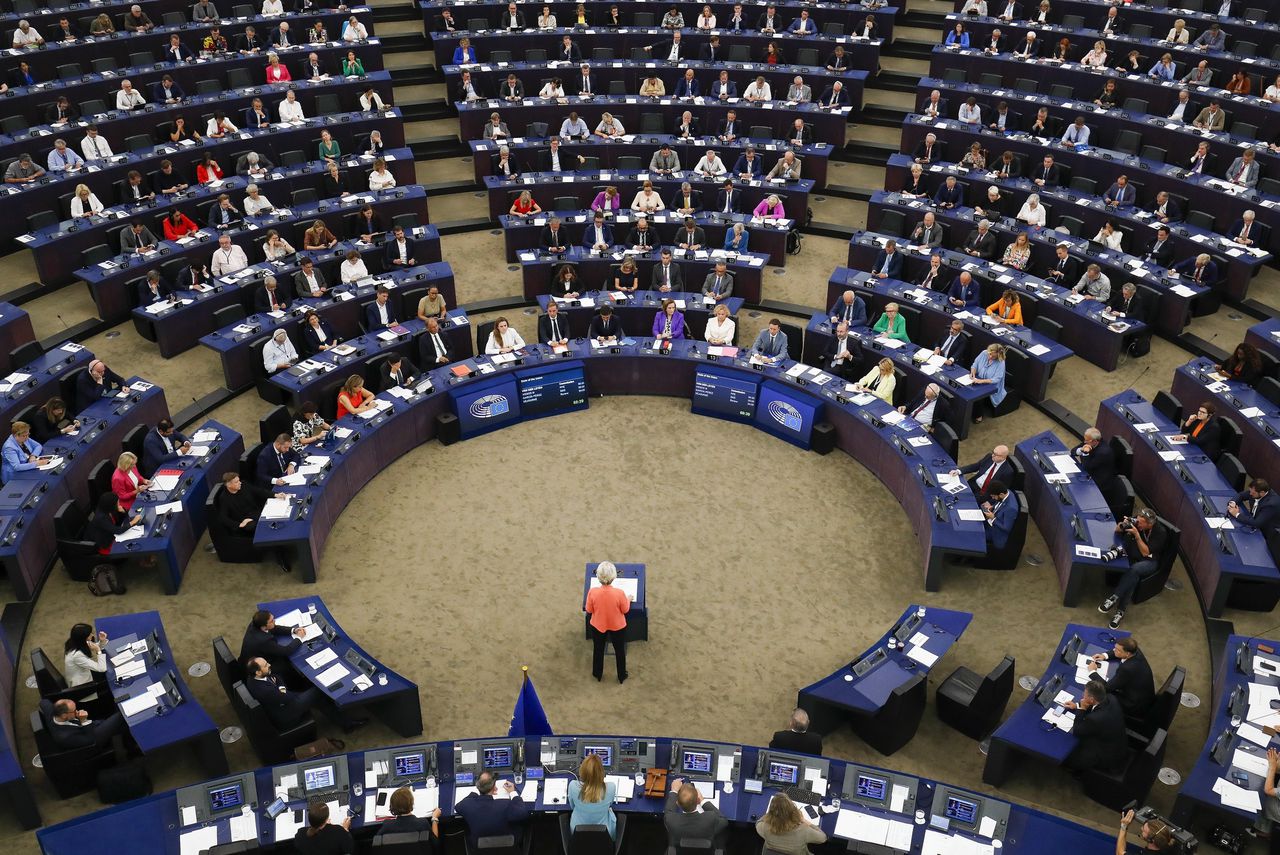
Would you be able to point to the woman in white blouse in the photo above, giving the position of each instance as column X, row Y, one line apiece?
column 976, row 7
column 707, row 20
column 1273, row 91
column 276, row 247
column 255, row 203
column 85, row 203
column 647, row 201
column 1179, row 35
column 353, row 269
column 879, row 381
column 1096, row 58
column 354, row 31
column 546, row 21
column 1109, row 236
column 503, row 339
column 272, row 7
column 1032, row 212
column 609, row 126
column 291, row 108
column 720, row 328
column 551, row 89
column 371, row 100
column 380, row 178
column 83, row 659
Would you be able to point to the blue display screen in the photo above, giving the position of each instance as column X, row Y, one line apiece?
column 604, row 752
column 489, row 408
column 543, row 392
column 696, row 761
column 962, row 810
column 497, row 758
column 872, row 788
column 226, row 797
column 317, row 778
column 724, row 395
column 408, row 765
column 783, row 773
column 785, row 415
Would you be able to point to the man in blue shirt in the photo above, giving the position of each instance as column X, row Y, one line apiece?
column 771, row 343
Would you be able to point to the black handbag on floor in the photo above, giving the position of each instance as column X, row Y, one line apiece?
column 124, row 783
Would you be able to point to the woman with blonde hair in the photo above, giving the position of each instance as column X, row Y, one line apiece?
column 85, row 202
column 720, row 328
column 354, row 397
column 988, row 370
column 592, row 797
column 785, row 830
column 879, row 381
column 127, row 482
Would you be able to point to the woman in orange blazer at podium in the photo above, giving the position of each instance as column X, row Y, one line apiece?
column 608, row 607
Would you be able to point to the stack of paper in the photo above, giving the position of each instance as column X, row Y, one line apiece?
column 276, row 509
column 137, row 704
column 131, row 668
column 881, row 831
column 937, row 843
column 244, row 826
column 625, row 785
column 199, row 839
column 1237, row 797
column 333, row 674
column 555, row 791
column 316, row 661
column 1246, row 761
column 425, row 800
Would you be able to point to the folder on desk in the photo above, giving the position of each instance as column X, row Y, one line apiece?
column 460, row 370
column 139, row 703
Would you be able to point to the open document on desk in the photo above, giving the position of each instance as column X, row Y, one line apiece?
column 425, row 801
column 879, row 830
column 527, row 793
column 631, row 587
column 937, row 843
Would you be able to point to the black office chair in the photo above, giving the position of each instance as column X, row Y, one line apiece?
column 291, row 158
column 403, row 843
column 230, row 548
column 1071, row 225
column 694, row 846
column 897, row 721
column 892, row 223
column 239, row 847
column 1160, row 715
column 945, row 435
column 1131, row 781
column 1232, row 470
column 78, row 556
column 71, row 771
column 25, row 354
column 973, row 704
column 1122, row 498
column 328, row 105
column 133, row 440
column 505, row 844
column 482, row 334
column 1122, row 452
column 1168, row 406
column 230, row 669
column 1231, row 435
column 1267, row 387
column 277, row 421
column 96, row 254
column 1047, row 327
column 591, row 839
column 1200, row 219
column 271, row 744
column 1007, row 558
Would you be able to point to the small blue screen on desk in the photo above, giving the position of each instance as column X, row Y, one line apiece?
column 543, row 392
column 962, row 810
column 317, row 778
column 871, row 788
column 225, row 797
column 696, row 761
column 785, row 415
column 724, row 395
column 497, row 758
column 408, row 765
column 783, row 773
column 604, row 752
column 486, row 409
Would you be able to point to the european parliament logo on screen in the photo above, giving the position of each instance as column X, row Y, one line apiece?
column 490, row 406
column 786, row 415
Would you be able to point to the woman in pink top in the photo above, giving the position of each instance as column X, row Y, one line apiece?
column 608, row 607
column 771, row 207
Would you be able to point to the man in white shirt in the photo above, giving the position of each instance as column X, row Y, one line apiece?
column 26, row 35
column 291, row 108
column 129, row 98
column 227, row 258
column 758, row 90
column 279, row 353
column 1076, row 134
column 574, row 128
column 710, row 166
column 94, row 145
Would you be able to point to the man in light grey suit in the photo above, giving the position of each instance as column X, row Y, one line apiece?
column 687, row 816
column 788, row 166
column 718, row 284
column 927, row 232
column 664, row 161
column 496, row 129
column 1244, row 170
column 798, row 92
column 772, row 342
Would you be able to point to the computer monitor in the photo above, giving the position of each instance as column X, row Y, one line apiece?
column 872, row 788
column 318, row 778
column 604, row 752
column 408, row 765
column 963, row 811
column 225, row 797
column 497, row 757
column 782, row 774
column 696, row 762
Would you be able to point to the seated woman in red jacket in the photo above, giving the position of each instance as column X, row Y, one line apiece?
column 127, row 482
column 178, row 224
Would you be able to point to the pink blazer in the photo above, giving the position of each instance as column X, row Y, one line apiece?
column 123, row 487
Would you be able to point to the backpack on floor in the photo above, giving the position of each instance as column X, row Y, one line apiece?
column 794, row 242
column 103, row 581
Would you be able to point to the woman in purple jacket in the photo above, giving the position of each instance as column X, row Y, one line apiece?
column 668, row 324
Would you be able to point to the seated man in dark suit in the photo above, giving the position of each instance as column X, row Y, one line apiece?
column 796, row 737
column 1128, row 301
column 728, row 199
column 842, row 355
column 399, row 250
column 1256, row 506
column 1001, row 511
column 928, row 408
column 398, row 371
column 261, row 640
column 284, row 707
column 162, row 445
column 487, row 816
column 271, row 297
column 1200, row 269
column 949, row 194
column 553, row 327
column 1132, row 684
column 379, row 314
column 604, row 326
column 993, row 468
column 277, row 460
column 981, row 242
column 928, row 150
column 850, row 309
column 1161, row 250
column 952, row 345
column 435, row 350
column 555, row 237
column 1099, row 730
column 153, row 289
column 688, row 815
column 1097, row 459
column 95, row 383
column 888, row 263
column 1063, row 270
column 72, row 728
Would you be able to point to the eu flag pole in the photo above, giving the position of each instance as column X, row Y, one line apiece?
column 528, row 719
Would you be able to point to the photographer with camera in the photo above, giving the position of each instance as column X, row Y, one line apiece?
column 1142, row 540
column 1156, row 834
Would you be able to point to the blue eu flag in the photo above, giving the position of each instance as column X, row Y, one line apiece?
column 528, row 719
